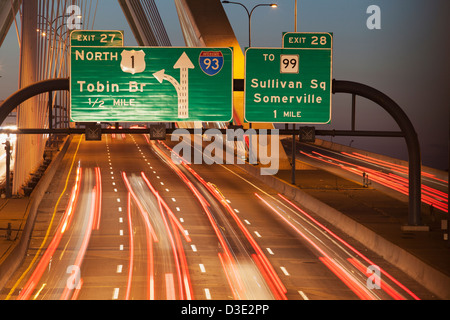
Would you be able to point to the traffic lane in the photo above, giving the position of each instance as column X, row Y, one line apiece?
column 249, row 273
column 107, row 264
column 340, row 265
column 295, row 263
column 57, row 275
column 388, row 178
column 166, row 258
column 158, row 177
column 46, row 213
column 106, row 270
column 372, row 163
column 243, row 261
column 260, row 221
column 330, row 250
column 102, row 269
column 228, row 240
column 49, row 224
column 206, row 273
column 109, row 269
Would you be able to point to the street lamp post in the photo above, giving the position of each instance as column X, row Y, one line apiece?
column 50, row 24
column 250, row 13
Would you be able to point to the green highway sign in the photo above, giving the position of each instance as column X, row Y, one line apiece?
column 288, row 85
column 151, row 84
column 96, row 38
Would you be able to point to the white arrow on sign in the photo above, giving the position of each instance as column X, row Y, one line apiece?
column 182, row 87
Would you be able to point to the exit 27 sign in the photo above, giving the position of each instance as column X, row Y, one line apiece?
column 151, row 84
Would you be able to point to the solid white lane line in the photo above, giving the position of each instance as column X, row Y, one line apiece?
column 285, row 271
column 207, row 294
column 116, row 294
column 303, row 295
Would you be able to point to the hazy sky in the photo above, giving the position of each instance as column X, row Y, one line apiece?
column 408, row 59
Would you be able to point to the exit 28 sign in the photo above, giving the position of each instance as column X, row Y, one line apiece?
column 291, row 84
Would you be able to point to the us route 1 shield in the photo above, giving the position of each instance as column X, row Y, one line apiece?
column 151, row 84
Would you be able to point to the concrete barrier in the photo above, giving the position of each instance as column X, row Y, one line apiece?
column 17, row 252
column 432, row 279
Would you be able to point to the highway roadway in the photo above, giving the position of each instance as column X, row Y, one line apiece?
column 122, row 221
column 385, row 176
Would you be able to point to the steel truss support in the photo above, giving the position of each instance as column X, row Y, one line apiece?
column 29, row 92
column 408, row 132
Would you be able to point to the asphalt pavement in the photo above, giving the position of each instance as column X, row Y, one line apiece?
column 379, row 212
